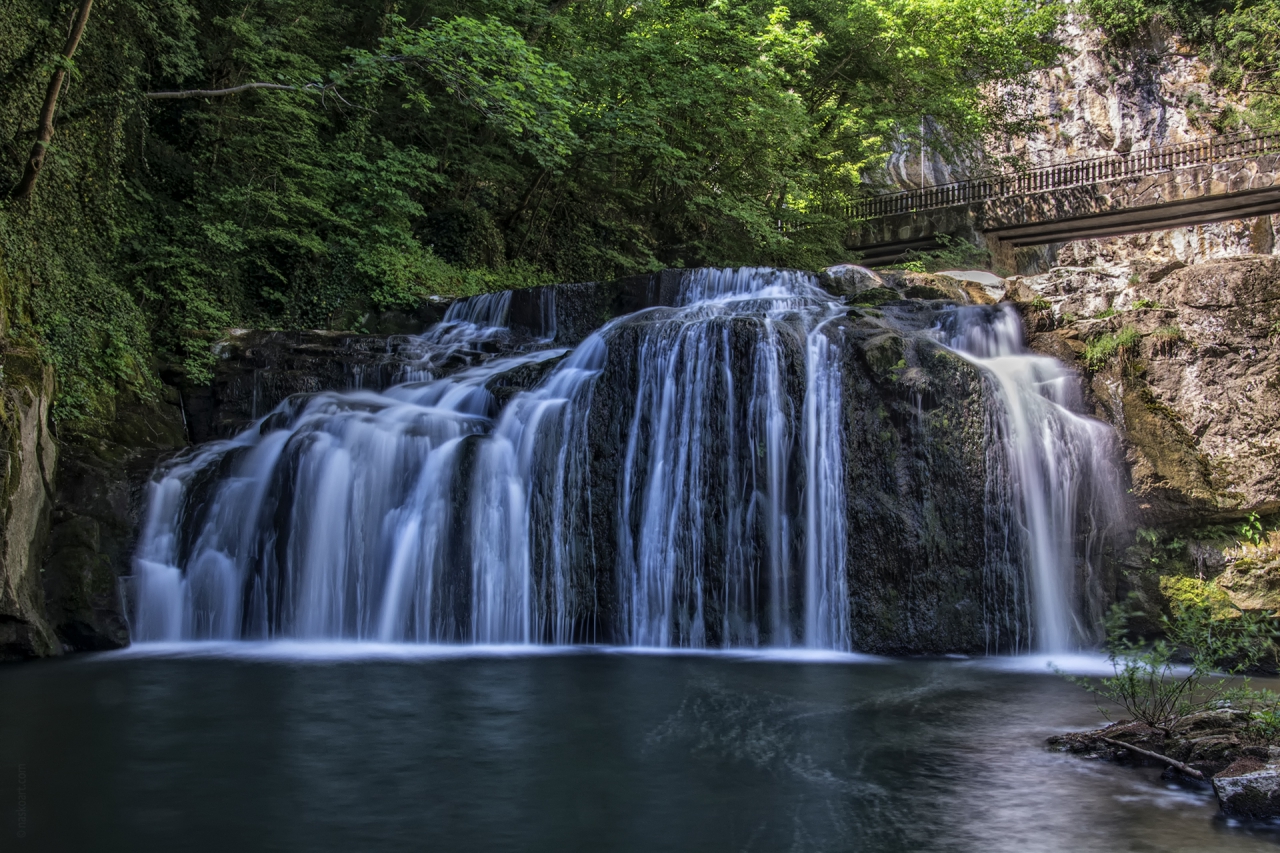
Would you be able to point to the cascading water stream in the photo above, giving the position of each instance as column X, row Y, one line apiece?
column 333, row 516
column 706, row 487
column 1049, row 469
column 678, row 479
column 424, row 514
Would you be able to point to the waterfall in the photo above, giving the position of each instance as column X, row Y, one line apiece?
column 679, row 479
column 335, row 515
column 827, row 618
column 703, row 451
column 1051, row 474
column 427, row 513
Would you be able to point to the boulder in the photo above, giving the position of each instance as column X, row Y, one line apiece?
column 1249, row 788
column 849, row 280
column 1252, row 580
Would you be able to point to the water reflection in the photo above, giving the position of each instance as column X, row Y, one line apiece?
column 576, row 751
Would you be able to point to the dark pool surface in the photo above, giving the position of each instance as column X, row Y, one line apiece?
column 563, row 752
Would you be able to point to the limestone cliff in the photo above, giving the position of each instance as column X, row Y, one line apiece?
column 1185, row 362
column 1103, row 99
column 1196, row 391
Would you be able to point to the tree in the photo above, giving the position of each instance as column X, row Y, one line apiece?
column 44, row 128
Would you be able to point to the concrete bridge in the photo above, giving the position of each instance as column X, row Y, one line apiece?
column 1191, row 183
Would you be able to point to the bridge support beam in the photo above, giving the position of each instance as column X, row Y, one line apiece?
column 1211, row 192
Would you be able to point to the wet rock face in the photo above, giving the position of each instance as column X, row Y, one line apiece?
column 571, row 312
column 915, row 477
column 617, row 406
column 99, row 501
column 257, row 370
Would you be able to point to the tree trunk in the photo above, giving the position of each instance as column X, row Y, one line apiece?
column 44, row 131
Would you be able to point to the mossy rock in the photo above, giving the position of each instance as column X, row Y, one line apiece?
column 1253, row 584
column 884, row 355
column 920, row 291
column 876, row 296
column 1188, row 592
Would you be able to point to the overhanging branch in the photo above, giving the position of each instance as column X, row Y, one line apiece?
column 311, row 88
column 217, row 93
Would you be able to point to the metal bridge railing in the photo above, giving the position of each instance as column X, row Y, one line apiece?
column 1078, row 173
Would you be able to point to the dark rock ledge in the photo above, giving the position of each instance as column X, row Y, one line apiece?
column 1222, row 747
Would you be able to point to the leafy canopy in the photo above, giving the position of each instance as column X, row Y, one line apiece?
column 451, row 147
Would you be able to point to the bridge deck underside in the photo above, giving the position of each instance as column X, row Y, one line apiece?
column 1134, row 220
column 1196, row 195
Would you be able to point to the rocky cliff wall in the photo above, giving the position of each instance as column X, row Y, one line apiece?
column 1196, row 390
column 26, row 485
column 1104, row 99
column 1185, row 361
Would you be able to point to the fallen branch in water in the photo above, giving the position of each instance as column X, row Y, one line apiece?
column 1172, row 762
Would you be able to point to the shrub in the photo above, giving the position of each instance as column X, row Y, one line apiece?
column 955, row 254
column 1101, row 350
column 1151, row 687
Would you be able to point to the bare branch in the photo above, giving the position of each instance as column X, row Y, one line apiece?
column 1172, row 762
column 217, row 93
column 316, row 88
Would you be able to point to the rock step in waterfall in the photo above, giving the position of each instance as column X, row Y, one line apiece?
column 754, row 464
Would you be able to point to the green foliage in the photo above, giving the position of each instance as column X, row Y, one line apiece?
column 1155, row 551
column 1101, row 350
column 447, row 147
column 1105, row 313
column 1265, row 725
column 1165, row 339
column 1152, row 686
column 955, row 254
column 1252, row 530
column 1121, row 19
column 1143, row 304
column 1245, row 42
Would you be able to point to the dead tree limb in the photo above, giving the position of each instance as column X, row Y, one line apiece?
column 324, row 91
column 1172, row 762
column 217, row 93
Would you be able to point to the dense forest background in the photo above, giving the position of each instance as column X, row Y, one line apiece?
column 298, row 163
